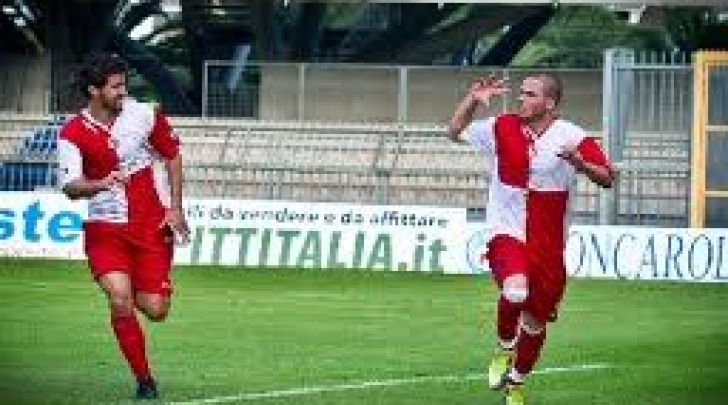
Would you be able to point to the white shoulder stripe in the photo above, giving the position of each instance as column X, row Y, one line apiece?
column 69, row 162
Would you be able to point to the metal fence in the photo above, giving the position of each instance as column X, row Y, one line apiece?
column 371, row 164
column 647, row 123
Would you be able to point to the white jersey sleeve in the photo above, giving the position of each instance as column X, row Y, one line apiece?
column 69, row 162
column 480, row 135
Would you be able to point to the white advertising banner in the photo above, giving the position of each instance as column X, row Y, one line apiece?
column 320, row 235
column 347, row 236
column 634, row 253
column 41, row 225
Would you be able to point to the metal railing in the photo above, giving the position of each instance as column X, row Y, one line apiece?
column 371, row 164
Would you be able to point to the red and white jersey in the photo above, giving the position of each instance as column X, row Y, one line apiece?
column 529, row 187
column 136, row 145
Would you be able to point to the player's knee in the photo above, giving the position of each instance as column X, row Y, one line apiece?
column 157, row 313
column 515, row 289
column 121, row 304
column 530, row 325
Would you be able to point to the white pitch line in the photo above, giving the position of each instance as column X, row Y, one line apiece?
column 369, row 384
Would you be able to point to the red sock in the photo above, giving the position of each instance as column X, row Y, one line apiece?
column 130, row 337
column 528, row 349
column 508, row 314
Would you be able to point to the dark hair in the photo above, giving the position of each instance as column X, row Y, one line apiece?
column 97, row 68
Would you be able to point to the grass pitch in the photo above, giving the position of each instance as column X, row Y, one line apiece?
column 346, row 337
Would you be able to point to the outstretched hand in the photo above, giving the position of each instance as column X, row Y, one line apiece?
column 112, row 180
column 602, row 175
column 574, row 158
column 484, row 88
column 478, row 93
column 174, row 219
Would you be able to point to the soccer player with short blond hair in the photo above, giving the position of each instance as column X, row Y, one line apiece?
column 535, row 157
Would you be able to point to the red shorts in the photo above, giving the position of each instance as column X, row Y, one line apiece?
column 142, row 252
column 545, row 272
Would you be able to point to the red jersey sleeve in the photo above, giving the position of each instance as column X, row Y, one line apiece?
column 591, row 152
column 162, row 137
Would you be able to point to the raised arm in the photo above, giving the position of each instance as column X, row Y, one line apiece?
column 478, row 94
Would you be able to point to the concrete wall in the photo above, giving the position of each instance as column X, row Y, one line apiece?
column 23, row 83
column 370, row 94
column 342, row 93
column 330, row 93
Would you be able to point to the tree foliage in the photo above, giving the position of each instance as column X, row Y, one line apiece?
column 578, row 36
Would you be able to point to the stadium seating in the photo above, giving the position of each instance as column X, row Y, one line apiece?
column 28, row 162
column 342, row 162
